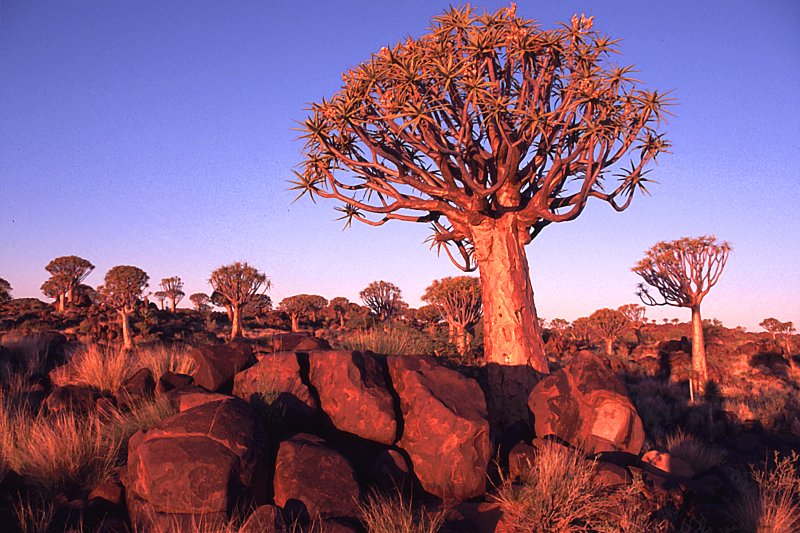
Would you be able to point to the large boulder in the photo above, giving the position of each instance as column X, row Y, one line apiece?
column 353, row 393
column 446, row 427
column 296, row 342
column 276, row 378
column 136, row 388
column 194, row 465
column 586, row 405
column 216, row 365
column 48, row 349
column 71, row 398
column 312, row 480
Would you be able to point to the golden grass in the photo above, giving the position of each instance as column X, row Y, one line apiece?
column 770, row 503
column 101, row 368
column 391, row 513
column 161, row 359
column 403, row 341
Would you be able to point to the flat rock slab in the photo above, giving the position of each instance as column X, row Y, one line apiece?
column 446, row 427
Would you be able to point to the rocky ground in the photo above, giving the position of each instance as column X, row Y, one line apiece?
column 282, row 432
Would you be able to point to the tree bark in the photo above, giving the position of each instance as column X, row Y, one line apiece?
column 295, row 322
column 609, row 346
column 699, row 367
column 172, row 304
column 127, row 340
column 511, row 327
column 639, row 337
column 461, row 341
column 341, row 321
column 71, row 295
column 236, row 328
column 61, row 305
column 513, row 346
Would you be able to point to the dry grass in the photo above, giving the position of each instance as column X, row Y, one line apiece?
column 161, row 359
column 558, row 493
column 770, row 503
column 101, row 368
column 701, row 456
column 391, row 513
column 403, row 341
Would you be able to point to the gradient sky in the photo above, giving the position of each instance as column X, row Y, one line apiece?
column 159, row 134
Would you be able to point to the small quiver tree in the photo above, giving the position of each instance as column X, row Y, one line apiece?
column 122, row 291
column 430, row 317
column 201, row 301
column 635, row 314
column 173, row 288
column 237, row 284
column 608, row 324
column 5, row 291
column 66, row 273
column 384, row 300
column 160, row 296
column 458, row 301
column 780, row 331
column 682, row 272
column 339, row 306
column 302, row 306
column 219, row 300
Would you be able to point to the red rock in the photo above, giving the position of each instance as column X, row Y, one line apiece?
column 297, row 342
column 171, row 381
column 312, row 480
column 277, row 375
column 216, row 365
column 586, row 405
column 192, row 396
column 197, row 463
column 446, row 428
column 110, row 492
column 667, row 463
column 71, row 398
column 353, row 393
column 136, row 388
column 520, row 459
column 611, row 475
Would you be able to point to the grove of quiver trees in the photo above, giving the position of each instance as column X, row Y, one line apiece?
column 682, row 272
column 488, row 128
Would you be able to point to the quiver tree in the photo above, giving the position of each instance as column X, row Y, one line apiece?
column 121, row 292
column 780, row 331
column 201, row 301
column 488, row 129
column 302, row 306
column 608, row 324
column 581, row 329
column 238, row 284
column 219, row 300
column 429, row 316
column 259, row 305
column 682, row 272
column 458, row 301
column 160, row 296
column 339, row 306
column 635, row 314
column 173, row 288
column 66, row 273
column 5, row 291
column 383, row 299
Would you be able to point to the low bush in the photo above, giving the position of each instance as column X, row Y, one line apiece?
column 392, row 513
column 394, row 340
column 770, row 500
column 701, row 456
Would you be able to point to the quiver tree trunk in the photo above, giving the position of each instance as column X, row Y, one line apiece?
column 639, row 336
column 127, row 339
column 71, row 295
column 61, row 305
column 460, row 338
column 172, row 304
column 295, row 322
column 699, row 368
column 513, row 345
column 609, row 346
column 236, row 328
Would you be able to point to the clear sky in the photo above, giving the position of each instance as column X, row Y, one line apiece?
column 159, row 134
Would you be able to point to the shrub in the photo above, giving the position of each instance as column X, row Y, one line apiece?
column 102, row 368
column 701, row 456
column 771, row 500
column 161, row 359
column 395, row 340
column 391, row 513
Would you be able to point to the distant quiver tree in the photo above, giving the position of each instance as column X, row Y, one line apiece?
column 682, row 272
column 201, row 301
column 66, row 273
column 121, row 291
column 5, row 290
column 384, row 299
column 236, row 285
column 173, row 288
column 608, row 324
column 458, row 301
column 302, row 306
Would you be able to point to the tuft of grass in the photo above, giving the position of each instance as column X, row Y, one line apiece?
column 558, row 493
column 701, row 456
column 161, row 359
column 391, row 513
column 101, row 368
column 395, row 340
column 770, row 502
column 34, row 514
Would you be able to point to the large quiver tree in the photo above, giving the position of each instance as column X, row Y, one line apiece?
column 236, row 285
column 487, row 128
column 682, row 272
column 122, row 291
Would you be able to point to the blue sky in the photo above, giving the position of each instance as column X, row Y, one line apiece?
column 160, row 135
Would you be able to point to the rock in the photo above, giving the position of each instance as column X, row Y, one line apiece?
column 313, row 480
column 446, row 428
column 110, row 492
column 276, row 378
column 668, row 464
column 192, row 396
column 195, row 464
column 353, row 393
column 71, row 398
column 216, row 365
column 136, row 388
column 297, row 342
column 389, row 471
column 264, row 519
column 46, row 346
column 586, row 405
column 171, row 381
column 520, row 460
column 610, row 475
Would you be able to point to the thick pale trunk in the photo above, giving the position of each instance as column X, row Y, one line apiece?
column 699, row 368
column 229, row 312
column 461, row 341
column 172, row 305
column 61, row 305
column 513, row 346
column 127, row 340
column 295, row 323
column 511, row 327
column 451, row 333
column 71, row 295
column 609, row 346
column 236, row 328
column 341, row 321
